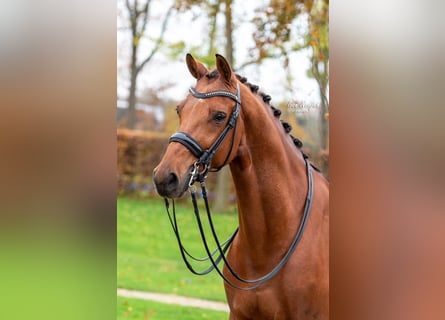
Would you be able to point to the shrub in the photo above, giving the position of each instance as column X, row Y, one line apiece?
column 138, row 153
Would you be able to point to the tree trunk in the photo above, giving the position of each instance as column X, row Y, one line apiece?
column 229, row 31
column 324, row 138
column 131, row 112
column 324, row 123
column 222, row 190
column 224, row 182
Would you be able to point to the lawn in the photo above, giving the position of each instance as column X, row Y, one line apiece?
column 148, row 257
column 140, row 309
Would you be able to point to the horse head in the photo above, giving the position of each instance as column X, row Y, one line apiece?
column 209, row 131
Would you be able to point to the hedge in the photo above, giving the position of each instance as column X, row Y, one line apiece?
column 138, row 153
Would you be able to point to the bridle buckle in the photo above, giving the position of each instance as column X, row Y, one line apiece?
column 197, row 175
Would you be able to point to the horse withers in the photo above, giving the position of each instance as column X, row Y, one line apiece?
column 226, row 121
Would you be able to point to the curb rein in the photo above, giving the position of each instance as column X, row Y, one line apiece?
column 204, row 158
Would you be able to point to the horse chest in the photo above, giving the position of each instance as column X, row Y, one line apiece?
column 246, row 305
column 257, row 305
column 279, row 302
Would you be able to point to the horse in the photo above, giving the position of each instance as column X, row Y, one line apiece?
column 270, row 174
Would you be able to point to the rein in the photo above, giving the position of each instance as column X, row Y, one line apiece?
column 204, row 159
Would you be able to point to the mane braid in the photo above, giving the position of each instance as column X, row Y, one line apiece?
column 276, row 112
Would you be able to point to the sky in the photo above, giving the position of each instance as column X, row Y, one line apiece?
column 270, row 75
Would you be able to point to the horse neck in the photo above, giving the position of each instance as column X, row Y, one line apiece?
column 270, row 180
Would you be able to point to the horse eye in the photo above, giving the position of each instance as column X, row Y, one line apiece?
column 177, row 110
column 219, row 117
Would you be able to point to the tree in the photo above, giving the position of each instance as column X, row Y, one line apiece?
column 138, row 18
column 319, row 29
column 211, row 10
column 223, row 184
column 277, row 35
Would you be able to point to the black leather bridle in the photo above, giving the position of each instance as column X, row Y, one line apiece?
column 205, row 156
column 204, row 159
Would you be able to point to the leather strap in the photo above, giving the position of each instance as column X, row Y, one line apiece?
column 187, row 141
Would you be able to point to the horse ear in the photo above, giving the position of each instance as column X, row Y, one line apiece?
column 223, row 68
column 196, row 68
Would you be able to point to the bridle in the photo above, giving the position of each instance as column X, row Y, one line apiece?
column 197, row 174
column 205, row 156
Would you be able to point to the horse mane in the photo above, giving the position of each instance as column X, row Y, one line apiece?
column 276, row 112
column 266, row 99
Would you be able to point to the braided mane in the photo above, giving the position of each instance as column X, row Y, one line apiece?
column 276, row 112
column 266, row 98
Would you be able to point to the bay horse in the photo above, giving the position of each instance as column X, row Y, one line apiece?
column 274, row 184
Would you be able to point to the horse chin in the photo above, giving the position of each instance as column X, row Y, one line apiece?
column 179, row 192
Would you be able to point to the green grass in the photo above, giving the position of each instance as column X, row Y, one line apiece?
column 141, row 310
column 148, row 257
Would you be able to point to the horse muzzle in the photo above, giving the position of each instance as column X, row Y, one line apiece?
column 170, row 184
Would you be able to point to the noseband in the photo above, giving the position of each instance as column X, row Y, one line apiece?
column 205, row 155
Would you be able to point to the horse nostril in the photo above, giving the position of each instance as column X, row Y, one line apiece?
column 172, row 181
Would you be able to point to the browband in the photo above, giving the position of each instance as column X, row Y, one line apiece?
column 205, row 95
